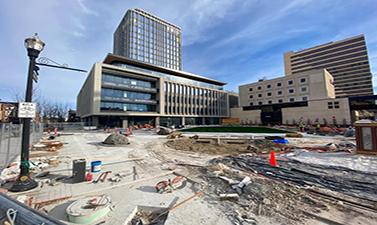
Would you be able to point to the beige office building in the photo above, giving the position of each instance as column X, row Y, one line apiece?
column 308, row 85
column 346, row 60
column 120, row 92
column 307, row 96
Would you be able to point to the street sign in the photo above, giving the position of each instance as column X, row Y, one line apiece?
column 26, row 109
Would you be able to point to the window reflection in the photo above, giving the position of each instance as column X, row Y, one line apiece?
column 113, row 93
column 125, row 80
column 115, row 106
column 171, row 77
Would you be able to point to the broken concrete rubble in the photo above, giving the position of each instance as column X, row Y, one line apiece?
column 174, row 135
column 164, row 131
column 10, row 174
column 232, row 196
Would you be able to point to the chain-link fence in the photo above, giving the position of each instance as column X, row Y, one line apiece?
column 10, row 140
column 64, row 126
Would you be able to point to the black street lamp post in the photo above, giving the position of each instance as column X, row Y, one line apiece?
column 34, row 46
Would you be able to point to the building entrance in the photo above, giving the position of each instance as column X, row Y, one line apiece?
column 271, row 115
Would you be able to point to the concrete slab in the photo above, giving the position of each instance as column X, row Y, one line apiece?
column 127, row 194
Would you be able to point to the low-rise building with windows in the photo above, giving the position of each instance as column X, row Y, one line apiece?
column 310, row 85
column 120, row 92
column 307, row 96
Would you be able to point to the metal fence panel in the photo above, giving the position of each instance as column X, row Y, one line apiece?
column 65, row 126
column 10, row 140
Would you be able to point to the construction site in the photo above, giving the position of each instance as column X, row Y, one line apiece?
column 164, row 176
column 140, row 140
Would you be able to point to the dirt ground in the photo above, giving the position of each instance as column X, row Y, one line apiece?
column 267, row 201
column 285, row 203
column 213, row 148
column 262, row 201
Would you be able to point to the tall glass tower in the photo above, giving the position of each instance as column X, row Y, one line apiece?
column 144, row 37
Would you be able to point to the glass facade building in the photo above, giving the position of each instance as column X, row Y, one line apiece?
column 120, row 92
column 147, row 38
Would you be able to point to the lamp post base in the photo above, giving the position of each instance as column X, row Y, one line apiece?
column 23, row 183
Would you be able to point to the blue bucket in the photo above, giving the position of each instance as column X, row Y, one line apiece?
column 96, row 166
column 280, row 141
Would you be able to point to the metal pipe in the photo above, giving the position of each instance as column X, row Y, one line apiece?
column 62, row 67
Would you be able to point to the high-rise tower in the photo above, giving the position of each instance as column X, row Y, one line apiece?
column 144, row 37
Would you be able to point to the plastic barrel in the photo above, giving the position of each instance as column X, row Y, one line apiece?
column 96, row 166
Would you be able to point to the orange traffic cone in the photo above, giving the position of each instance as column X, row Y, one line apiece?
column 273, row 161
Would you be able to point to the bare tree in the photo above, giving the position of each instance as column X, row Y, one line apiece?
column 49, row 110
column 54, row 111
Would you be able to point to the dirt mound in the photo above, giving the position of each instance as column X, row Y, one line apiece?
column 116, row 139
column 187, row 144
column 212, row 147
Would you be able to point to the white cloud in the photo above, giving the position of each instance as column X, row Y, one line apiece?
column 85, row 9
column 78, row 34
column 259, row 27
column 196, row 17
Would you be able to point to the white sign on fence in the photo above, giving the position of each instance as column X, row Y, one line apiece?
column 26, row 109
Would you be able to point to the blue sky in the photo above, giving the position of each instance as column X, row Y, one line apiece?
column 236, row 41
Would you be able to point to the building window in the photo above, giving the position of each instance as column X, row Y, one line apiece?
column 305, row 98
column 270, row 102
column 268, row 86
column 292, row 99
column 259, row 88
column 280, row 92
column 260, row 103
column 280, row 100
column 250, row 89
column 303, row 80
column 269, row 94
column 291, row 91
column 278, row 84
column 250, row 96
column 251, row 103
column 336, row 105
column 260, row 95
column 290, row 82
column 304, row 89
column 330, row 105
